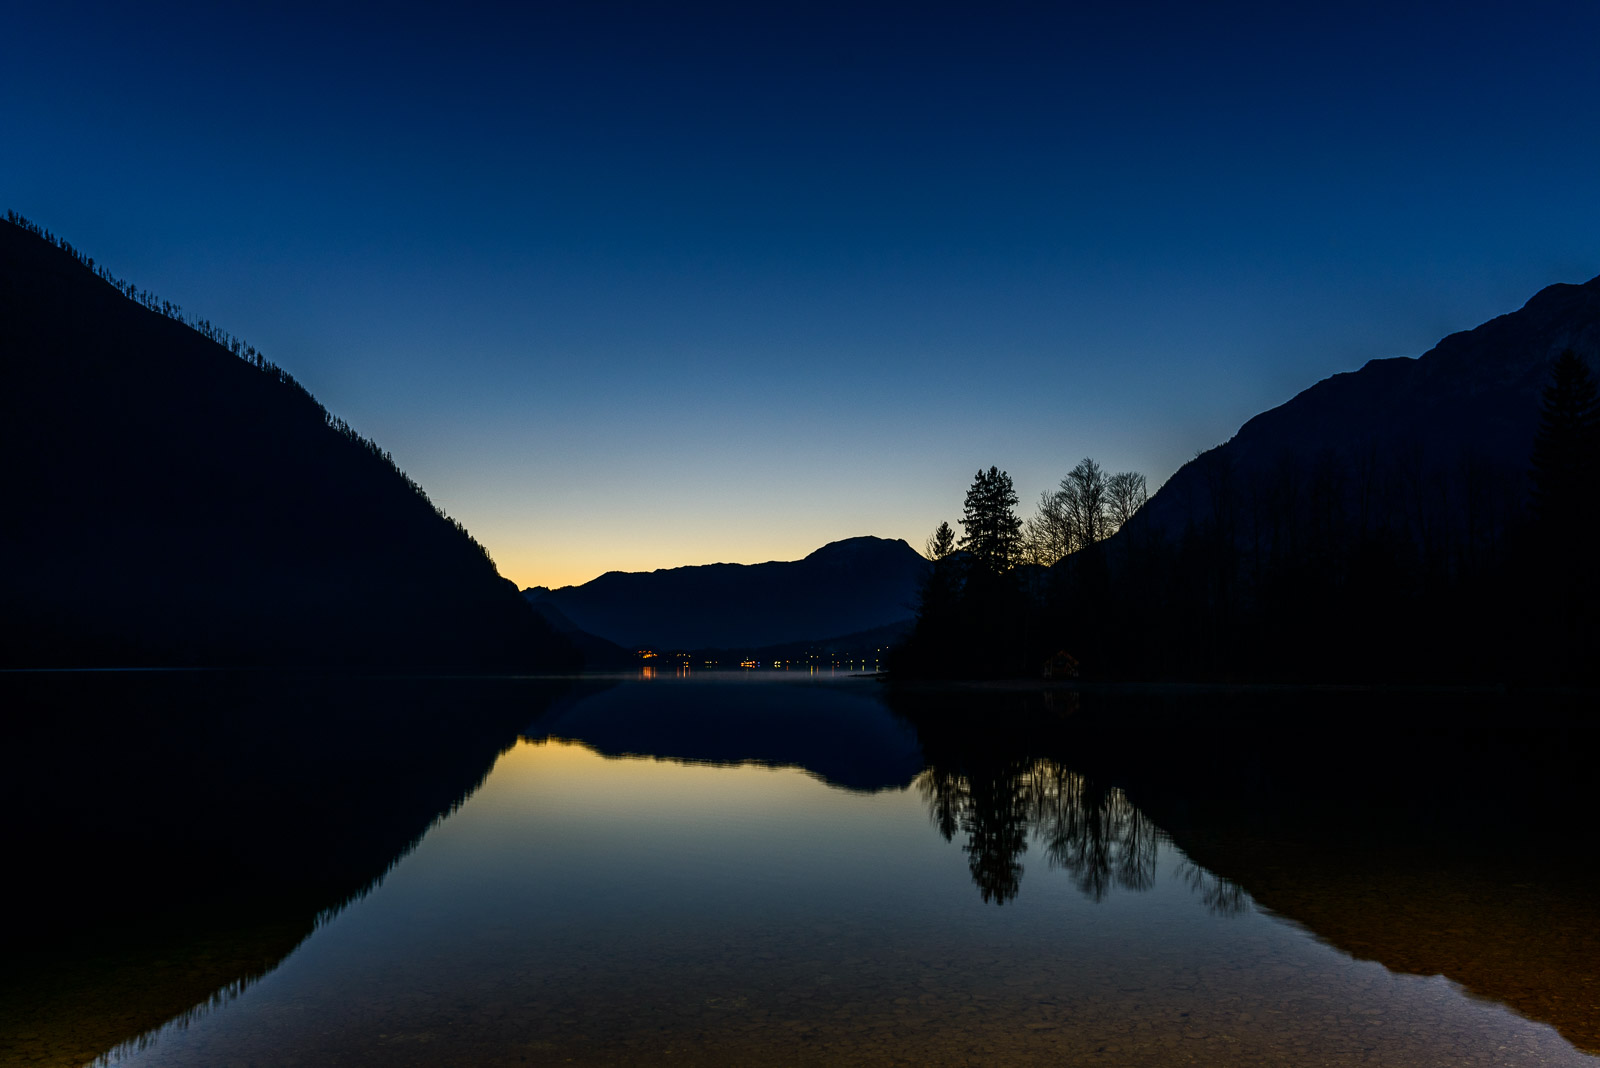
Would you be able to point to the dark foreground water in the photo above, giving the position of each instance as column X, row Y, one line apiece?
column 733, row 871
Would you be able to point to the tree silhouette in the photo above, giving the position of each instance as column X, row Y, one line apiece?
column 941, row 543
column 1092, row 832
column 993, row 814
column 1085, row 509
column 1125, row 494
column 1565, row 448
column 1565, row 461
column 1047, row 536
column 993, row 531
column 948, row 796
column 1084, row 499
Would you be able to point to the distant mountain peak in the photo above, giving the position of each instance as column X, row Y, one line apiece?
column 852, row 547
column 856, row 584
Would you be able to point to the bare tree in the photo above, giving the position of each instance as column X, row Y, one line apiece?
column 1047, row 537
column 1083, row 499
column 1125, row 495
column 1087, row 508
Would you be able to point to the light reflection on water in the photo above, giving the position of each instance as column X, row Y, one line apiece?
column 627, row 910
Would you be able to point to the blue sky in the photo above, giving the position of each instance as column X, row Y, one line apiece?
column 630, row 286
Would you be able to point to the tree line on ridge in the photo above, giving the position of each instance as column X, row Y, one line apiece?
column 245, row 352
column 1370, row 566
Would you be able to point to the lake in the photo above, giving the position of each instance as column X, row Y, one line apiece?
column 792, row 868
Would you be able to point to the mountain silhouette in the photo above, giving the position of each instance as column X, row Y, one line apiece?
column 844, row 587
column 1403, row 426
column 176, row 500
column 863, row 645
column 597, row 653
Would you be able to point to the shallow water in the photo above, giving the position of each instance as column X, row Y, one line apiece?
column 706, row 895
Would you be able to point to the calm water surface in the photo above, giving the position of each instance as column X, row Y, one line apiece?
column 622, row 890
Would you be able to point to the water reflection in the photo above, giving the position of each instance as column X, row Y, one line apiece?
column 1091, row 831
column 629, row 910
column 1439, row 835
column 746, row 873
column 177, row 835
column 1222, row 897
column 834, row 728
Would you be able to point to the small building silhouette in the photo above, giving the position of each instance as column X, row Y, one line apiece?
column 1062, row 665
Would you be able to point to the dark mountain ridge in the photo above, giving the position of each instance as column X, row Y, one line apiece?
column 845, row 587
column 175, row 499
column 1378, row 527
column 1401, row 423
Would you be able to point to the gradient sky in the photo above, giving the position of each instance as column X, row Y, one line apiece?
column 626, row 287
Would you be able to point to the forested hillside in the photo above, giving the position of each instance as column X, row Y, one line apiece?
column 173, row 498
column 1419, row 520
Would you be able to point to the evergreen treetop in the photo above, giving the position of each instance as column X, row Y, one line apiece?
column 993, row 533
column 1566, row 447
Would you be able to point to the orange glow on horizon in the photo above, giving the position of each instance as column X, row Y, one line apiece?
column 555, row 566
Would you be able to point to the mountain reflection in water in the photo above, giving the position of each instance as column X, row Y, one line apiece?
column 646, row 877
column 172, row 836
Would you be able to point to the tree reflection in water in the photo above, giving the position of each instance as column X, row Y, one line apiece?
column 1221, row 897
column 1091, row 831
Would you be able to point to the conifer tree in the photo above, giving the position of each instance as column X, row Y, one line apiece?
column 941, row 543
column 1566, row 459
column 993, row 533
column 1565, row 449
